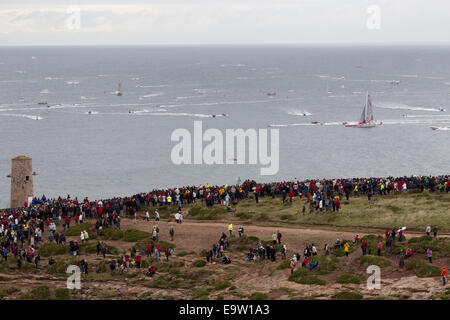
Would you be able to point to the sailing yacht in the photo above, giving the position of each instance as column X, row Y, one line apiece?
column 118, row 92
column 367, row 120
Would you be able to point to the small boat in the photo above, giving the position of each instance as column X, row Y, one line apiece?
column 119, row 92
column 43, row 102
column 271, row 94
column 367, row 120
column 131, row 111
column 440, row 128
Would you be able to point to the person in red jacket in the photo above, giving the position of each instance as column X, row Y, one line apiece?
column 166, row 253
column 443, row 275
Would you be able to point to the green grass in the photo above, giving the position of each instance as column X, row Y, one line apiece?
column 347, row 295
column 401, row 209
column 199, row 263
column 348, row 278
column 110, row 234
column 369, row 260
column 76, row 229
column 304, row 276
column 423, row 268
column 284, row 265
column 202, row 213
column 132, row 235
column 222, row 285
column 52, row 249
column 327, row 264
column 439, row 246
column 259, row 296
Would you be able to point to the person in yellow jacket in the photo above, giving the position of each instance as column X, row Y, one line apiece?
column 230, row 229
column 169, row 200
column 346, row 248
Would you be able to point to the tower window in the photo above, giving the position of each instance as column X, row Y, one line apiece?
column 27, row 178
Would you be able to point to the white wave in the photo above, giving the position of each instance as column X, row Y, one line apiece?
column 322, row 75
column 8, row 81
column 434, row 77
column 444, row 116
column 45, row 91
column 400, row 106
column 186, row 97
column 226, row 103
column 151, row 95
column 53, row 78
column 72, row 82
column 303, row 113
column 152, row 86
column 242, row 78
column 407, row 75
column 233, row 65
column 32, row 117
column 293, row 124
column 84, row 98
column 21, row 71
column 182, row 114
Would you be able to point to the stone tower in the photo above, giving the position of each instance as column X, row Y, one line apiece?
column 21, row 181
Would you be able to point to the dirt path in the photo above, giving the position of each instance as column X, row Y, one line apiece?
column 193, row 235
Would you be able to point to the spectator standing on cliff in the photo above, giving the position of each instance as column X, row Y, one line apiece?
column 171, row 232
column 429, row 255
column 435, row 231
column 428, row 230
column 443, row 275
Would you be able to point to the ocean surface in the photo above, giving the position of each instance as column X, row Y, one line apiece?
column 90, row 142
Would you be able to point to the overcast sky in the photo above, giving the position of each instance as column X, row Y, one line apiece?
column 127, row 22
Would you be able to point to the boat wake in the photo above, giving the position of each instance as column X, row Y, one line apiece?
column 400, row 106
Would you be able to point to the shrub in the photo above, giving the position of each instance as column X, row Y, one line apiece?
column 284, row 265
column 202, row 292
column 110, row 234
column 132, row 235
column 40, row 293
column 440, row 246
column 102, row 266
column 199, row 213
column 340, row 252
column 259, row 296
column 423, row 269
column 348, row 278
column 346, row 295
column 58, row 268
column 327, row 264
column 199, row 263
column 53, row 249
column 369, row 260
column 76, row 229
column 244, row 214
column 167, row 266
column 62, row 294
column 222, row 285
column 304, row 276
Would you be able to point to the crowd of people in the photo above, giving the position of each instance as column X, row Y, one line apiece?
column 22, row 229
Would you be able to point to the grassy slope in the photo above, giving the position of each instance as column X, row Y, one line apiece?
column 412, row 210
